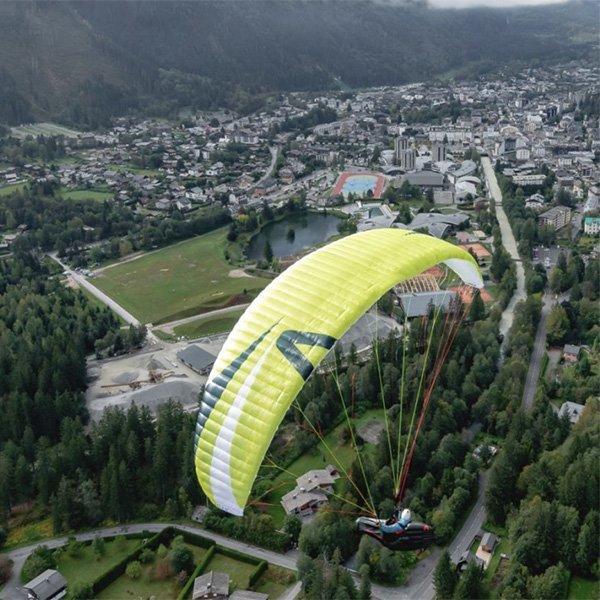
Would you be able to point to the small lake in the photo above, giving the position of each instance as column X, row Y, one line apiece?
column 310, row 229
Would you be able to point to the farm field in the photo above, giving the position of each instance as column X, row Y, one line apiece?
column 317, row 457
column 99, row 195
column 182, row 280
column 35, row 129
column 208, row 326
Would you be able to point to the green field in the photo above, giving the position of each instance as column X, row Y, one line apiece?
column 178, row 281
column 9, row 189
column 329, row 451
column 208, row 326
column 99, row 195
column 583, row 589
column 47, row 129
column 85, row 568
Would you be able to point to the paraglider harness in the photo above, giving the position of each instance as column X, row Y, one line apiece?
column 398, row 532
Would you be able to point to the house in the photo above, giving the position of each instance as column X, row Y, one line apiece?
column 571, row 353
column 488, row 542
column 419, row 304
column 485, row 549
column 196, row 358
column 213, row 585
column 572, row 410
column 556, row 217
column 49, row 585
column 310, row 492
column 466, row 558
column 480, row 252
column 591, row 225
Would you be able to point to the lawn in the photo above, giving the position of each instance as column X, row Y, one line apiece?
column 274, row 581
column 331, row 451
column 208, row 325
column 144, row 587
column 238, row 570
column 85, row 568
column 98, row 195
column 583, row 589
column 9, row 189
column 178, row 281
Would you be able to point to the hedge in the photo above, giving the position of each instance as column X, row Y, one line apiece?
column 113, row 574
column 237, row 555
column 263, row 565
column 197, row 572
column 194, row 538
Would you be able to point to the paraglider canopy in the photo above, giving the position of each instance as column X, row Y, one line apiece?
column 284, row 334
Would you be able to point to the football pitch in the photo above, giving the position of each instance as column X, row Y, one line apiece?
column 182, row 280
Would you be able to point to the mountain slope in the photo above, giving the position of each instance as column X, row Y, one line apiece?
column 84, row 60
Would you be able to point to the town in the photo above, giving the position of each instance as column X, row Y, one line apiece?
column 176, row 225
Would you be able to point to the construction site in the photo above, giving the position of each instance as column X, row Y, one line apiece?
column 148, row 378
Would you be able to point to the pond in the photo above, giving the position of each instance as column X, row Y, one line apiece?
column 293, row 234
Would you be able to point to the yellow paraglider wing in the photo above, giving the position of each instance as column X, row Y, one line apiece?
column 285, row 333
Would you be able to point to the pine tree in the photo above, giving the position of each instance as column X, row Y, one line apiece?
column 444, row 577
column 364, row 592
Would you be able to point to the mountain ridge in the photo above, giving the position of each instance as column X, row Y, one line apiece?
column 84, row 61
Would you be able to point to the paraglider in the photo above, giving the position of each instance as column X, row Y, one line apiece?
column 399, row 532
column 284, row 334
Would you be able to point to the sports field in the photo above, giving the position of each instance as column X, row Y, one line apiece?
column 47, row 129
column 359, row 184
column 178, row 281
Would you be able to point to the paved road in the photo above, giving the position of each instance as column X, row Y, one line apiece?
column 13, row 591
column 420, row 585
column 213, row 313
column 510, row 244
column 92, row 289
column 274, row 150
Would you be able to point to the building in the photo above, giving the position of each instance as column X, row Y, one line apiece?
column 591, row 225
column 400, row 144
column 571, row 353
column 49, row 585
column 420, row 303
column 213, row 585
column 438, row 152
column 572, row 410
column 196, row 358
column 438, row 224
column 486, row 547
column 424, row 179
column 529, row 180
column 480, row 252
column 556, row 217
column 311, row 491
column 407, row 159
